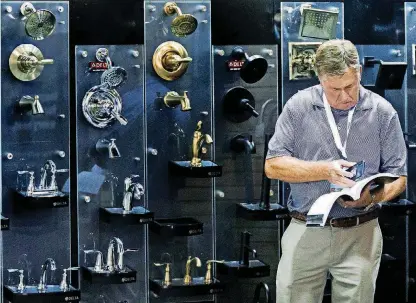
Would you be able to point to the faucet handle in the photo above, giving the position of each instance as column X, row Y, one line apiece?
column 72, row 268
column 208, row 275
column 167, row 279
column 131, row 250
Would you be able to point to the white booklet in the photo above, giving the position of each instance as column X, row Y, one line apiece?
column 318, row 213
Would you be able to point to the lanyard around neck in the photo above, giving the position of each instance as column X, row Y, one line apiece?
column 335, row 133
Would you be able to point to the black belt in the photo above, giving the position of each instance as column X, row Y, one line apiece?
column 341, row 222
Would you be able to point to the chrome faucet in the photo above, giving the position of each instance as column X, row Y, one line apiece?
column 48, row 170
column 49, row 263
column 131, row 190
column 197, row 145
column 64, row 284
column 188, row 278
column 98, row 267
column 31, row 185
column 34, row 103
column 259, row 287
column 245, row 249
column 109, row 148
column 111, row 259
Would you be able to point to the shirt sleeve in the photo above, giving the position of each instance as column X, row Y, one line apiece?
column 393, row 149
column 282, row 142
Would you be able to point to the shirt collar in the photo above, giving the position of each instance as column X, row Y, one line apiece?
column 364, row 102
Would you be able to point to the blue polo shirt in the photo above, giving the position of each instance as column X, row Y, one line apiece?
column 302, row 131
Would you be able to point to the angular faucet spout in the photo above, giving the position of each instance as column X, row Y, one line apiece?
column 113, row 151
column 34, row 103
column 49, row 263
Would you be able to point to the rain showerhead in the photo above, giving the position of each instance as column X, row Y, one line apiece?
column 183, row 24
column 318, row 23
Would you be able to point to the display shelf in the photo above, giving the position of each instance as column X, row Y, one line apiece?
column 138, row 215
column 106, row 277
column 178, row 289
column 208, row 169
column 180, row 227
column 401, row 208
column 22, row 200
column 256, row 269
column 255, row 212
column 53, row 294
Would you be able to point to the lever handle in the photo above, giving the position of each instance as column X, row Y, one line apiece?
column 179, row 59
column 72, row 268
column 44, row 62
column 246, row 105
column 120, row 118
column 215, row 261
column 131, row 250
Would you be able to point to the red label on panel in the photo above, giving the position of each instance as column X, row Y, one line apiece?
column 98, row 66
column 235, row 64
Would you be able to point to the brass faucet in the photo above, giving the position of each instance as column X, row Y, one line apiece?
column 173, row 99
column 188, row 279
column 167, row 280
column 208, row 275
column 197, row 143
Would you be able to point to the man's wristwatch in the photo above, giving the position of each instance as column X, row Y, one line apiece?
column 372, row 203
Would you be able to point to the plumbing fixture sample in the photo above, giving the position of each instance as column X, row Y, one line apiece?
column 39, row 24
column 183, row 24
column 173, row 99
column 263, row 210
column 318, row 23
column 64, row 286
column 241, row 143
column 33, row 103
column 47, row 185
column 268, row 295
column 198, row 141
column 26, row 62
column 253, row 67
column 244, row 267
column 113, row 76
column 390, row 75
column 49, row 264
column 302, row 57
column 107, row 148
column 167, row 281
column 101, row 107
column 170, row 60
column 208, row 275
column 131, row 190
column 21, row 286
column 99, row 261
column 239, row 105
column 188, row 278
column 112, row 265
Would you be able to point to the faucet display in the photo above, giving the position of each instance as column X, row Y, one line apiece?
column 47, row 185
column 108, row 148
column 198, row 141
column 49, row 263
column 173, row 99
column 64, row 284
column 259, row 287
column 245, row 249
column 208, row 274
column 21, row 286
column 188, row 278
column 112, row 265
column 131, row 190
column 242, row 143
column 33, row 103
column 167, row 281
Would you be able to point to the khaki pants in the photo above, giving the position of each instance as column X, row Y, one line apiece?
column 352, row 256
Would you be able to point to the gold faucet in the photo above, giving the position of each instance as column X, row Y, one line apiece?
column 208, row 275
column 173, row 99
column 197, row 142
column 167, row 280
column 188, row 279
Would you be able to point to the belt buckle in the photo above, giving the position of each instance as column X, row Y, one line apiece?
column 358, row 221
column 331, row 222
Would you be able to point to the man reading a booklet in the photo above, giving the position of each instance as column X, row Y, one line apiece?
column 322, row 131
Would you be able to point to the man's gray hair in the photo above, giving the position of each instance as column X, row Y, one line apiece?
column 335, row 57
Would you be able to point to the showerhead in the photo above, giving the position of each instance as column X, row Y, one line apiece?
column 114, row 76
column 40, row 24
column 184, row 25
column 254, row 69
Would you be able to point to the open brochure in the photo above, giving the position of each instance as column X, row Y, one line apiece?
column 318, row 213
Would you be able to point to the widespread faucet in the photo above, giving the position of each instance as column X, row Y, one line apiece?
column 131, row 190
column 188, row 278
column 112, row 265
column 34, row 103
column 109, row 148
column 197, row 145
column 173, row 99
column 49, row 263
column 245, row 249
